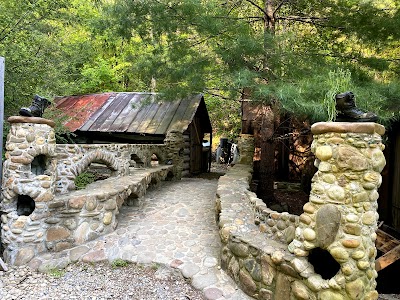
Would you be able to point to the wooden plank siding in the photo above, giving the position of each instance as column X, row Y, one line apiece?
column 396, row 183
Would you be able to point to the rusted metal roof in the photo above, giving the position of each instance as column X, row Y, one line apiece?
column 140, row 113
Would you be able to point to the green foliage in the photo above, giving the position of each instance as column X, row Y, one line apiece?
column 119, row 263
column 339, row 81
column 83, row 179
column 217, row 48
column 56, row 273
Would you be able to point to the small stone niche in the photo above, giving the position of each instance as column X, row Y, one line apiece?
column 136, row 161
column 25, row 205
column 39, row 164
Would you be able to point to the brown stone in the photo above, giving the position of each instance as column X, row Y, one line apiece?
column 91, row 204
column 353, row 229
column 62, row 246
column 23, row 256
column 267, row 271
column 282, row 289
column 45, row 197
column 309, row 208
column 76, row 253
column 300, row 291
column 95, row 256
column 305, row 219
column 265, row 294
column 77, row 202
column 351, row 243
column 57, row 233
column 21, row 160
column 345, row 127
column 33, row 120
column 247, row 283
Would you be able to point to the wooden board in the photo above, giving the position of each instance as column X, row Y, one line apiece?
column 390, row 246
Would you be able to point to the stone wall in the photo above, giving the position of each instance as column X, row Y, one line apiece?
column 41, row 211
column 267, row 253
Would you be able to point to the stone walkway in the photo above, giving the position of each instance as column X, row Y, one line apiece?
column 174, row 224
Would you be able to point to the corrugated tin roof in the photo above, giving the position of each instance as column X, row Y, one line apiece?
column 129, row 112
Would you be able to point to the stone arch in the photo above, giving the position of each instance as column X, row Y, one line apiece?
column 160, row 156
column 97, row 155
column 136, row 161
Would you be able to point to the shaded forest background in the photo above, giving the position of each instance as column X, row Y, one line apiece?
column 290, row 54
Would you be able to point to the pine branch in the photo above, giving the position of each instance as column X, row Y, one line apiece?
column 279, row 6
column 258, row 7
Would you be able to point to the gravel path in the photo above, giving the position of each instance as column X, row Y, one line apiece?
column 98, row 281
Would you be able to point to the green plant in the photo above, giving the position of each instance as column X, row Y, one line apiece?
column 83, row 179
column 155, row 266
column 56, row 273
column 119, row 263
column 339, row 81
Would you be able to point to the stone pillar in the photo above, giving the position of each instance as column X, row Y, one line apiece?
column 174, row 147
column 246, row 149
column 29, row 177
column 341, row 215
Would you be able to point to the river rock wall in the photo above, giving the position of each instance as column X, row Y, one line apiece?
column 267, row 253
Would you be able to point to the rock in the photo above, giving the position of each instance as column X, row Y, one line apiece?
column 301, row 292
column 189, row 269
column 368, row 218
column 309, row 234
column 327, row 225
column 213, row 293
column 355, row 289
column 57, row 233
column 239, row 249
column 330, row 295
column 107, row 219
column 76, row 253
column 23, row 256
column 247, row 283
column 323, row 153
column 200, row 281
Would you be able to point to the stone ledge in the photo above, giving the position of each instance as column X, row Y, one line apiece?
column 345, row 127
column 34, row 120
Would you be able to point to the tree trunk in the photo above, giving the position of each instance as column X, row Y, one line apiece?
column 267, row 163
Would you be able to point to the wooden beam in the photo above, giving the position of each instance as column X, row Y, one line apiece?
column 387, row 259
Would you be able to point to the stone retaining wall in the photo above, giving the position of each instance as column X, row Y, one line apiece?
column 267, row 253
column 40, row 209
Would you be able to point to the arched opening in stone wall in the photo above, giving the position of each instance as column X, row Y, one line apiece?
column 170, row 176
column 323, row 262
column 154, row 160
column 136, row 161
column 39, row 164
column 96, row 170
column 25, row 205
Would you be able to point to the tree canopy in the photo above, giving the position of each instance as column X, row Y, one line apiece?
column 293, row 53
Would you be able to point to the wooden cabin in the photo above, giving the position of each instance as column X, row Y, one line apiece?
column 140, row 118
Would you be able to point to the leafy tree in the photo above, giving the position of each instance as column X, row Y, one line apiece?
column 279, row 52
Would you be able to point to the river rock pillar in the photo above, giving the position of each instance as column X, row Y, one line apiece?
column 341, row 215
column 175, row 144
column 246, row 149
column 29, row 176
